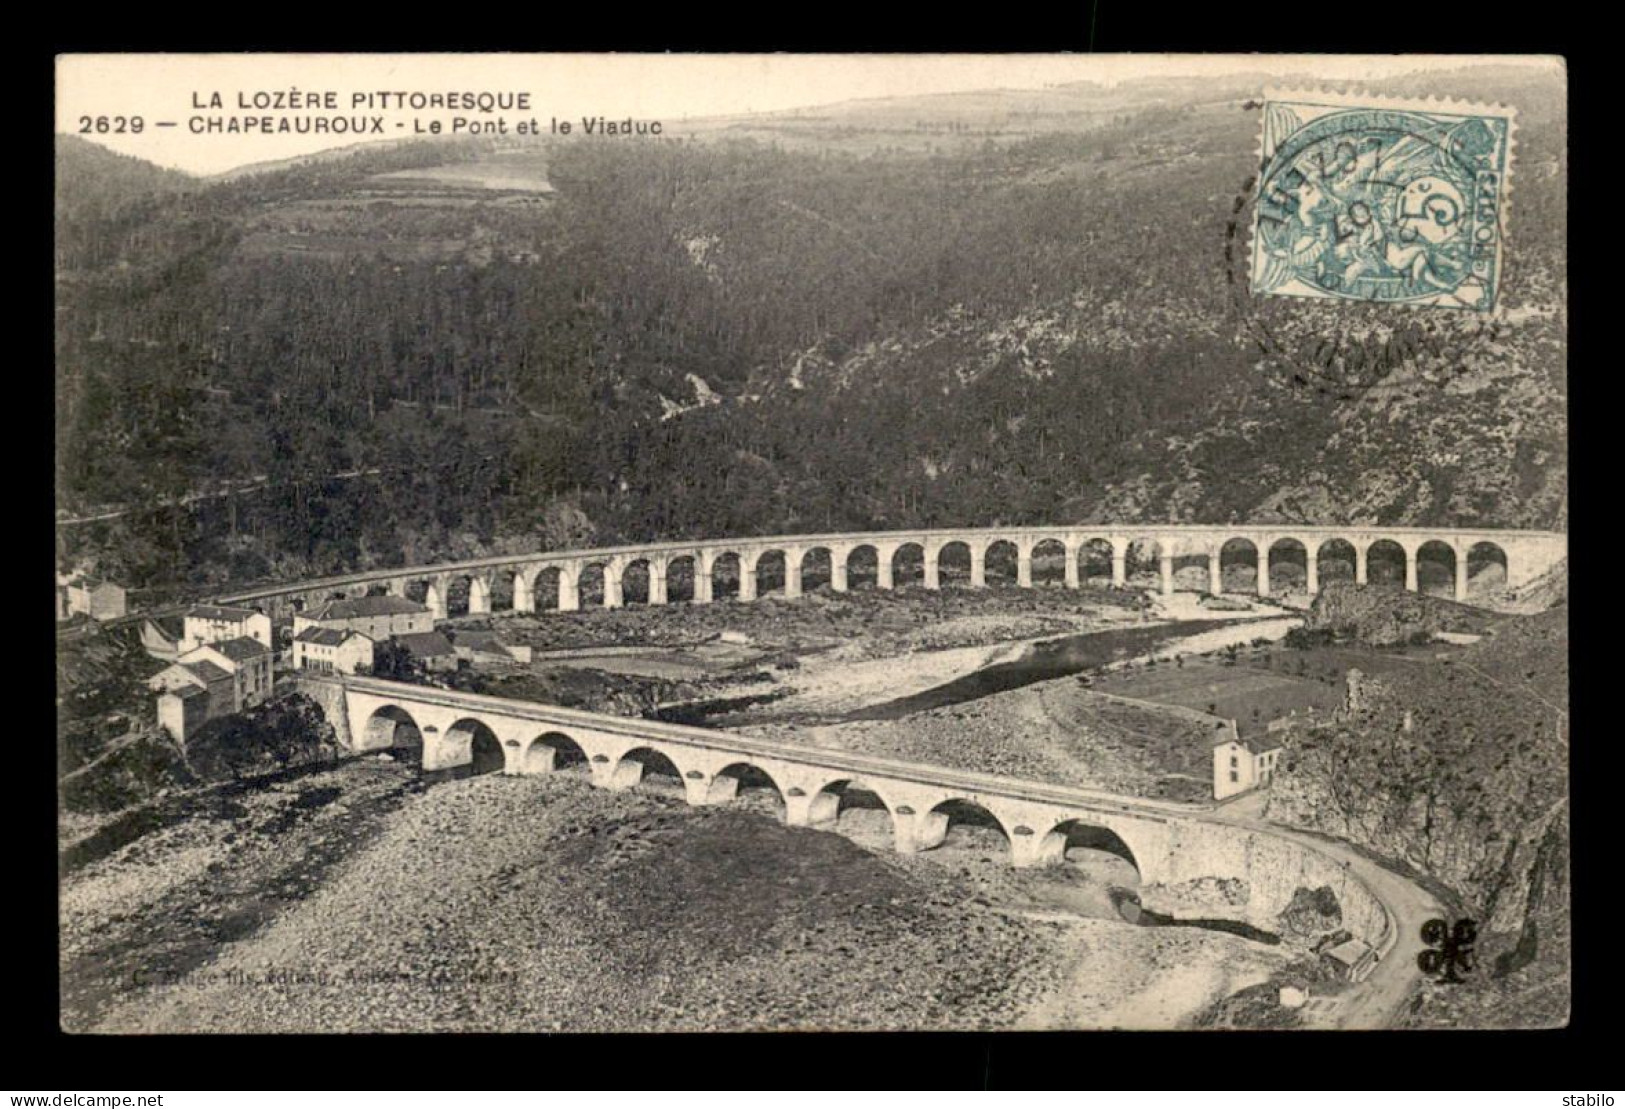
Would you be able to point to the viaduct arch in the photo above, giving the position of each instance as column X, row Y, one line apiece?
column 1250, row 558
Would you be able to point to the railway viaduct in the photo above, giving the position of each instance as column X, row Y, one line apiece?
column 1165, row 842
column 1524, row 555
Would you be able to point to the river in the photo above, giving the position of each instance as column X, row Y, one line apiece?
column 1039, row 661
column 1073, row 654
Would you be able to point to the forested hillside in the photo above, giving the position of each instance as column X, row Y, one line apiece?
column 428, row 350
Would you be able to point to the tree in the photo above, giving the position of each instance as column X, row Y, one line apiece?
column 393, row 661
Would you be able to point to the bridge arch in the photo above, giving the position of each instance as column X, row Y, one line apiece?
column 1488, row 568
column 636, row 581
column 1095, row 562
column 961, row 822
column 555, row 753
column 1093, row 847
column 1190, row 569
column 1288, row 565
column 545, row 583
column 954, row 563
column 1436, row 568
column 459, row 595
column 1049, row 562
column 1336, row 560
column 392, row 728
column 908, row 564
column 506, row 588
column 863, row 566
column 746, row 782
column 772, row 570
column 1238, row 565
column 817, row 567
column 1385, row 562
column 1001, row 559
column 854, row 807
column 650, row 768
column 727, row 573
column 485, row 749
column 680, row 571
column 592, row 584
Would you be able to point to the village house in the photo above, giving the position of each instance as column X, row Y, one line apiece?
column 1352, row 960
column 332, row 651
column 480, row 648
column 432, row 649
column 219, row 623
column 377, row 618
column 1240, row 765
column 100, row 600
column 209, row 681
column 190, row 694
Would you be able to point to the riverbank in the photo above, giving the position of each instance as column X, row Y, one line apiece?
column 1053, row 730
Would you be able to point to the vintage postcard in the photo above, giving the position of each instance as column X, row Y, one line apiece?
column 605, row 543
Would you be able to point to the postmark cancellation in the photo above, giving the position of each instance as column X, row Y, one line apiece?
column 1381, row 200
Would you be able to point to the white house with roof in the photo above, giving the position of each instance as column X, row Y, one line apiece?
column 219, row 623
column 332, row 651
column 1240, row 765
column 377, row 618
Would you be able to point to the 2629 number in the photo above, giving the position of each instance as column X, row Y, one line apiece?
column 111, row 125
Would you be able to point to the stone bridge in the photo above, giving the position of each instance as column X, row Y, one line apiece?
column 1165, row 842
column 1201, row 552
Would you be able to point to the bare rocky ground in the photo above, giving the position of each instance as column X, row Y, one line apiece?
column 1051, row 731
column 500, row 904
column 165, row 905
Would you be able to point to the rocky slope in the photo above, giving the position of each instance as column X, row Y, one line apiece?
column 1459, row 768
column 1386, row 616
column 497, row 904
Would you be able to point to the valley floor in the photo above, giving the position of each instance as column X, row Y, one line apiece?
column 352, row 899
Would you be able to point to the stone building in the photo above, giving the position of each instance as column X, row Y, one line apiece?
column 332, row 651
column 486, row 649
column 215, row 679
column 1352, row 960
column 432, row 649
column 1240, row 765
column 100, row 600
column 377, row 618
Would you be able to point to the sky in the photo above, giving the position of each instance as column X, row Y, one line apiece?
column 108, row 88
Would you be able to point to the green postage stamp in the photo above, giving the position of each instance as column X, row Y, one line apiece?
column 1382, row 200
